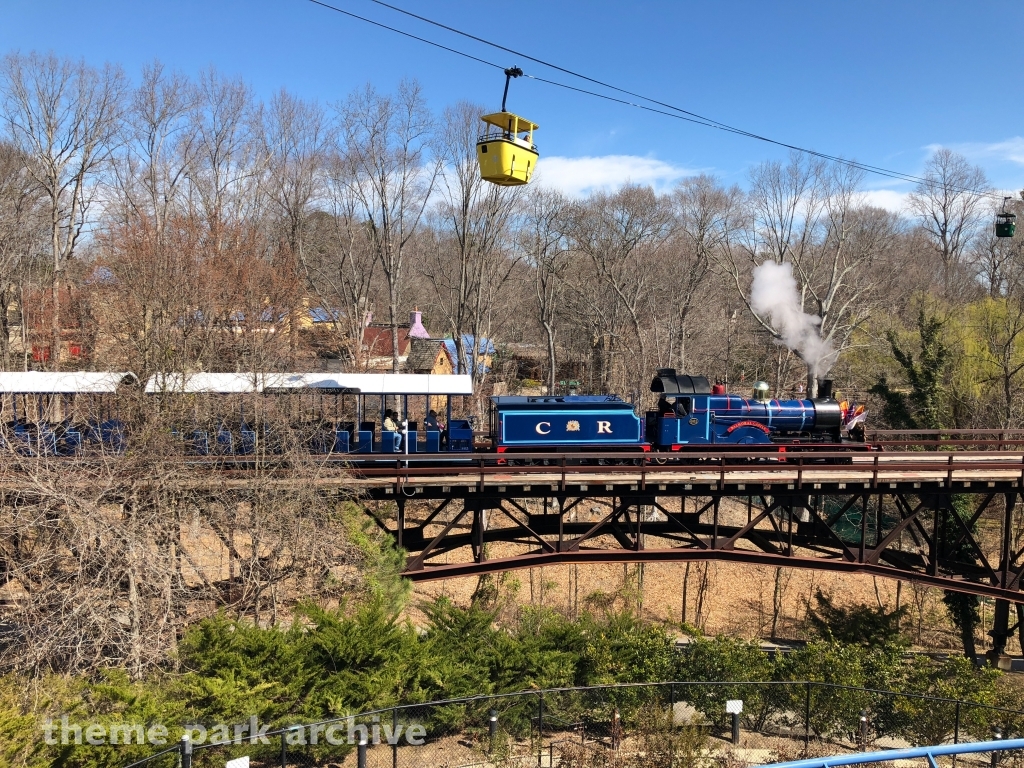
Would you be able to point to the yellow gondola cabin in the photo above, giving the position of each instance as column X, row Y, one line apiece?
column 506, row 151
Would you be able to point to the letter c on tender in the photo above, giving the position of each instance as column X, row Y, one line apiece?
column 541, row 431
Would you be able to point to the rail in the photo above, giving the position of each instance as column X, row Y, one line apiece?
column 891, row 755
column 1000, row 439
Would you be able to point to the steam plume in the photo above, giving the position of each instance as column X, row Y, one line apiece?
column 774, row 294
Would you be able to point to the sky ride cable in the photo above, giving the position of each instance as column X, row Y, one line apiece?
column 677, row 113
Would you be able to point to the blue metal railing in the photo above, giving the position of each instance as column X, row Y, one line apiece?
column 859, row 758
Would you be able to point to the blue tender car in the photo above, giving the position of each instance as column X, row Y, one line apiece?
column 564, row 423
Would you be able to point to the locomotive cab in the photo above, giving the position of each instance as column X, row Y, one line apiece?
column 682, row 417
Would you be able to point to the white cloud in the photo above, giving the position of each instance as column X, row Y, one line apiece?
column 1010, row 150
column 577, row 176
column 889, row 199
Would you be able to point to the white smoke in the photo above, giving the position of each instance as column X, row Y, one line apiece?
column 774, row 295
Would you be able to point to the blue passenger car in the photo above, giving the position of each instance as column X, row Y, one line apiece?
column 564, row 423
column 690, row 413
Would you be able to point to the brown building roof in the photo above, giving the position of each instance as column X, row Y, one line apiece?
column 423, row 355
column 377, row 340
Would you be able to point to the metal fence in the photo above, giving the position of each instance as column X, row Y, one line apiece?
column 625, row 725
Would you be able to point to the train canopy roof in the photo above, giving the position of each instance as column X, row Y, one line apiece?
column 63, row 382
column 670, row 383
column 328, row 383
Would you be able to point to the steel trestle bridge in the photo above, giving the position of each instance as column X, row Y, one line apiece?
column 941, row 515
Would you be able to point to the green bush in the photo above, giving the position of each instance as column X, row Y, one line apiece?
column 329, row 664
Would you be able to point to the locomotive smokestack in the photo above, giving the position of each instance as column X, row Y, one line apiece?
column 825, row 389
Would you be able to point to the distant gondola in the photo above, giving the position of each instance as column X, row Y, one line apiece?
column 1006, row 222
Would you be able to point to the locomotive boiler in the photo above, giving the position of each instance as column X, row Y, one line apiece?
column 690, row 412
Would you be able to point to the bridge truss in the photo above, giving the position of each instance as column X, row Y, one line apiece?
column 948, row 520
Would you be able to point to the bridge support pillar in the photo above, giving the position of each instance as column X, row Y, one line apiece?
column 1001, row 629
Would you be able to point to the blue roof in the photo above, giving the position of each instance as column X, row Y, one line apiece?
column 483, row 347
column 321, row 315
column 101, row 275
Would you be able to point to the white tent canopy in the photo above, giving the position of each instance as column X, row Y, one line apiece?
column 63, row 382
column 354, row 383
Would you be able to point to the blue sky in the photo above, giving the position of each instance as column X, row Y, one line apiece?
column 879, row 81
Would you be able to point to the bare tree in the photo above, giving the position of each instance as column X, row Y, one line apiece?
column 296, row 140
column 159, row 150
column 391, row 176
column 809, row 214
column 624, row 234
column 224, row 178
column 950, row 204
column 542, row 240
column 468, row 262
column 108, row 559
column 22, row 235
column 150, row 178
column 705, row 216
column 339, row 264
column 66, row 116
column 999, row 261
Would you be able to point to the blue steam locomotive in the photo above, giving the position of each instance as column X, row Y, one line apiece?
column 690, row 413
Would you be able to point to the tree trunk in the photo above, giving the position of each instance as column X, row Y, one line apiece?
column 135, row 654
column 967, row 637
column 962, row 612
column 776, row 602
column 5, row 331
column 682, row 341
column 899, row 601
column 393, row 301
column 640, row 590
column 552, row 370
column 55, row 324
column 703, row 586
column 686, row 585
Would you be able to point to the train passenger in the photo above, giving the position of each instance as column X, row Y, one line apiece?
column 433, row 425
column 391, row 424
